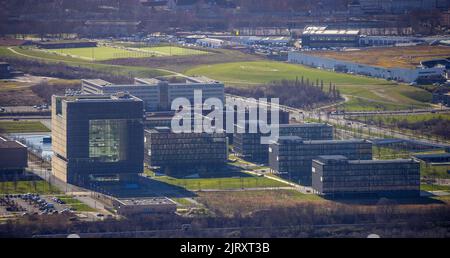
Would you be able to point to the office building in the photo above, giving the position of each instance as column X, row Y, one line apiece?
column 5, row 70
column 340, row 176
column 291, row 156
column 13, row 157
column 95, row 137
column 248, row 145
column 185, row 152
column 158, row 94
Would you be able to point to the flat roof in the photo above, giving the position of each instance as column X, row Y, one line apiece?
column 120, row 96
column 7, row 144
column 98, row 82
column 146, row 201
column 315, row 30
column 324, row 159
column 305, row 125
column 436, row 155
column 381, row 161
column 153, row 82
column 297, row 138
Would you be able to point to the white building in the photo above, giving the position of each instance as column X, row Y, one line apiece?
column 397, row 74
column 158, row 94
column 212, row 43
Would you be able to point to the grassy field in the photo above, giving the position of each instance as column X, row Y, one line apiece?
column 392, row 119
column 103, row 53
column 22, row 127
column 131, row 71
column 435, row 188
column 246, row 202
column 98, row 53
column 435, row 171
column 174, row 51
column 365, row 93
column 40, row 187
column 222, row 183
column 406, row 57
column 74, row 203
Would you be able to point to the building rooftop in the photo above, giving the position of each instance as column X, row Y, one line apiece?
column 380, row 161
column 304, row 125
column 8, row 144
column 436, row 155
column 120, row 96
column 97, row 82
column 152, row 82
column 145, row 201
column 314, row 30
column 299, row 140
column 329, row 159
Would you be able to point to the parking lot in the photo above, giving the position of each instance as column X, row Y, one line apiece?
column 35, row 204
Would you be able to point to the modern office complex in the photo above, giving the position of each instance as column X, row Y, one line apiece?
column 97, row 138
column 248, row 145
column 184, row 152
column 158, row 94
column 13, row 157
column 292, row 156
column 323, row 37
column 339, row 176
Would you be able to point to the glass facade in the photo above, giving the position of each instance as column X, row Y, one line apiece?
column 108, row 140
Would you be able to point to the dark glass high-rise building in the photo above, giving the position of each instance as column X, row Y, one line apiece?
column 338, row 176
column 97, row 137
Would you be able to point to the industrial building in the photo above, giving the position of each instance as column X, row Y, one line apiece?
column 97, row 137
column 339, row 176
column 13, row 157
column 185, row 152
column 248, row 145
column 323, row 37
column 291, row 156
column 408, row 75
column 210, row 42
column 158, row 94
column 142, row 206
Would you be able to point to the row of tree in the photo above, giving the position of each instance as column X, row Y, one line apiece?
column 298, row 93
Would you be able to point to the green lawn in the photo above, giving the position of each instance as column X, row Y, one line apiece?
column 103, row 53
column 436, row 171
column 392, row 119
column 173, row 51
column 100, row 53
column 22, row 127
column 40, row 187
column 435, row 187
column 223, row 183
column 131, row 71
column 75, row 203
column 364, row 92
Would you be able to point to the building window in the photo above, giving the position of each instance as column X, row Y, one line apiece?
column 108, row 140
column 313, row 169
